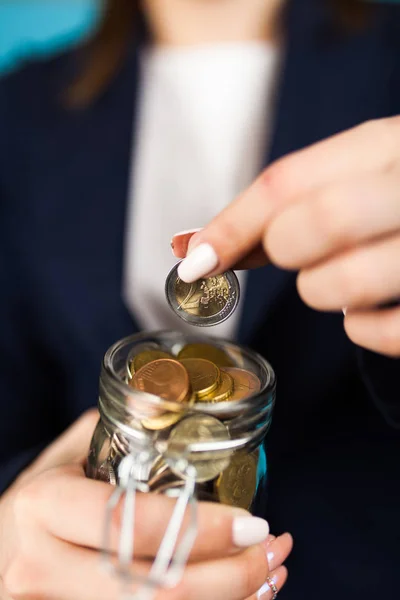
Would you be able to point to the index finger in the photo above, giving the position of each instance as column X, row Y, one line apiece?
column 240, row 228
column 73, row 508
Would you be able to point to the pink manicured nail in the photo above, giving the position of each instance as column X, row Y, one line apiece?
column 200, row 262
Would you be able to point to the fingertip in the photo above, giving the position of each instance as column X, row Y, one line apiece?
column 249, row 531
column 181, row 242
column 283, row 575
column 200, row 262
column 288, row 536
column 278, row 578
column 271, row 538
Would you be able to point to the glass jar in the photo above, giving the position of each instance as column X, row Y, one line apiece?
column 232, row 469
column 196, row 449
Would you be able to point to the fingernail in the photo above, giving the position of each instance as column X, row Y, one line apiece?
column 201, row 261
column 344, row 310
column 186, row 232
column 247, row 531
column 265, row 590
column 181, row 240
column 271, row 538
column 270, row 558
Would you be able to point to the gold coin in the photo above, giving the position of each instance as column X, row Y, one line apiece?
column 167, row 419
column 170, row 480
column 245, row 383
column 237, row 484
column 203, row 298
column 157, row 466
column 165, row 377
column 144, row 358
column 162, row 422
column 203, row 374
column 172, row 490
column 160, row 475
column 196, row 429
column 223, row 391
column 207, row 351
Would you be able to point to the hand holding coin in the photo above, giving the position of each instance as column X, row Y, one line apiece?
column 303, row 213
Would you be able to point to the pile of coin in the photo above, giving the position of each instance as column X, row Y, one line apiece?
column 199, row 375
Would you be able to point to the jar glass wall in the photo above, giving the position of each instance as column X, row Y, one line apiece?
column 226, row 444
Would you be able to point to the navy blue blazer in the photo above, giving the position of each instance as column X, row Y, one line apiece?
column 334, row 446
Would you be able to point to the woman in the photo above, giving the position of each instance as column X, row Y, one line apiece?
column 218, row 90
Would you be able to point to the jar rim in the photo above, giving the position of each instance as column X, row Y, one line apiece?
column 216, row 409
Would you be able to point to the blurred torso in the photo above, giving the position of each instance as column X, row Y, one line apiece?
column 333, row 459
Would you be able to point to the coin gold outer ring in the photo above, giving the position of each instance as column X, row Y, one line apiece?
column 162, row 422
column 144, row 358
column 166, row 378
column 204, row 376
column 168, row 419
column 138, row 349
column 202, row 320
column 245, row 383
column 201, row 350
column 223, row 391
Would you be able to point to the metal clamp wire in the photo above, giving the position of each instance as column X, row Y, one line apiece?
column 168, row 566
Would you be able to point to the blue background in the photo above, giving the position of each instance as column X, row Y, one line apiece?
column 39, row 27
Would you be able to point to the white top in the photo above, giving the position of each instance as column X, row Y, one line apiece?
column 201, row 139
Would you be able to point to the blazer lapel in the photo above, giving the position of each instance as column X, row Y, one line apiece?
column 330, row 82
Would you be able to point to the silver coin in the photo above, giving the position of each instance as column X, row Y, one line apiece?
column 204, row 302
column 195, row 430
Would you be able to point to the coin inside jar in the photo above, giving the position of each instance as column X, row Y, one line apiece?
column 106, row 473
column 138, row 349
column 237, row 483
column 223, row 391
column 162, row 422
column 145, row 357
column 245, row 383
column 165, row 377
column 166, row 420
column 203, row 374
column 191, row 430
column 207, row 351
column 204, row 302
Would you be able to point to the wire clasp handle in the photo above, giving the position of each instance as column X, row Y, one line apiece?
column 171, row 558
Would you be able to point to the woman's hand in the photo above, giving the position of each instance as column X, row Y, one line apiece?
column 331, row 211
column 51, row 524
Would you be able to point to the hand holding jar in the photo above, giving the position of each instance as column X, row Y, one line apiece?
column 50, row 534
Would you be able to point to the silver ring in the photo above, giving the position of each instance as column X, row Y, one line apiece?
column 273, row 587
